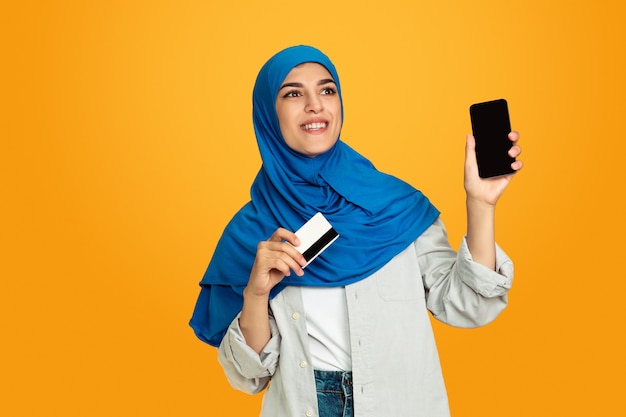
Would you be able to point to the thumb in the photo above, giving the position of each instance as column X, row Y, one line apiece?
column 470, row 150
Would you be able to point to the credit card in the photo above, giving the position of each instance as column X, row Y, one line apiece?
column 315, row 236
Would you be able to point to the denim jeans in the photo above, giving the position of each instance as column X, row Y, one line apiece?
column 334, row 393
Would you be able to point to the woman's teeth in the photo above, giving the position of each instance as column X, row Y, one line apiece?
column 314, row 126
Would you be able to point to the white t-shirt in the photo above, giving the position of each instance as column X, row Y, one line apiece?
column 326, row 312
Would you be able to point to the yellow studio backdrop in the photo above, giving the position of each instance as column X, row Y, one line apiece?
column 127, row 145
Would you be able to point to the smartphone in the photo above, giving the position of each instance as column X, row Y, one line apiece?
column 491, row 126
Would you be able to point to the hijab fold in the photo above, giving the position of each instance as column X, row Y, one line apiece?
column 376, row 215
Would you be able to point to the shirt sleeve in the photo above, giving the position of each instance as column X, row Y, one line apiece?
column 459, row 291
column 245, row 369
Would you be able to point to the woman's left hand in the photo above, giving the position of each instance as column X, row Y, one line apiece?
column 487, row 190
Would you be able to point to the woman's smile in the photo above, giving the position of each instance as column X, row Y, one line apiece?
column 315, row 126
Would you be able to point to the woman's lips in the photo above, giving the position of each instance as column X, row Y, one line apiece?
column 314, row 126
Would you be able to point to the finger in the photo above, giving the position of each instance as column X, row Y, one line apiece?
column 282, row 234
column 514, row 136
column 293, row 253
column 470, row 146
column 283, row 266
column 285, row 263
column 470, row 151
column 296, row 264
column 273, row 249
column 287, row 252
column 288, row 240
column 515, row 151
column 273, row 258
column 470, row 142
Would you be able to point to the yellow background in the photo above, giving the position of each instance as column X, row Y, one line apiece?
column 126, row 146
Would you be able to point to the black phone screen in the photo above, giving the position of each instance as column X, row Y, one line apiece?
column 491, row 126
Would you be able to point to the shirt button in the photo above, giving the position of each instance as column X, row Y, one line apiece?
column 295, row 316
column 303, row 364
column 309, row 413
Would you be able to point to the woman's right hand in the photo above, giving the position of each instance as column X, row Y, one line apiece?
column 275, row 259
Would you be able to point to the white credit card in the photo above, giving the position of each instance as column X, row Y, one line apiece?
column 315, row 236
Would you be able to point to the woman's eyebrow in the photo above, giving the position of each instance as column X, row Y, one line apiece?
column 300, row 85
column 287, row 85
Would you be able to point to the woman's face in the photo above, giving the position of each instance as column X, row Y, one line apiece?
column 309, row 109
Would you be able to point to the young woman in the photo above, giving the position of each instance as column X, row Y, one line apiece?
column 349, row 335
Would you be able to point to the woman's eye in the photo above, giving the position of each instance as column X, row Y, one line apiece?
column 328, row 91
column 293, row 93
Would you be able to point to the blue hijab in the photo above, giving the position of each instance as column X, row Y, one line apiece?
column 376, row 215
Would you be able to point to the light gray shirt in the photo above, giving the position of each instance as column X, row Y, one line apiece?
column 395, row 365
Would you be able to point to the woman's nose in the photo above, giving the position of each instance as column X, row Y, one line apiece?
column 313, row 104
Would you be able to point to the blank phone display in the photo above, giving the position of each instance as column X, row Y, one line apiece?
column 491, row 126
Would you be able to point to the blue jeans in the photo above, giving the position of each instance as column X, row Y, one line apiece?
column 334, row 393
